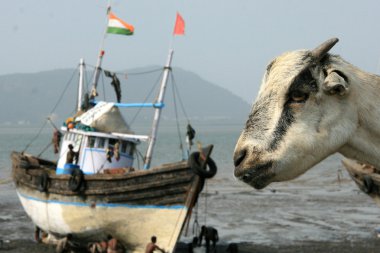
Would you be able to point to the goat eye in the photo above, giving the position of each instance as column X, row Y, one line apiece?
column 297, row 97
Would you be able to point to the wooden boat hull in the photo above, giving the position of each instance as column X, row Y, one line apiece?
column 132, row 207
column 365, row 176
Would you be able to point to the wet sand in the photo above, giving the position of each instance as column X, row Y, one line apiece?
column 364, row 246
column 314, row 213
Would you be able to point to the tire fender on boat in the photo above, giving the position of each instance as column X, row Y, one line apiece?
column 195, row 163
column 76, row 180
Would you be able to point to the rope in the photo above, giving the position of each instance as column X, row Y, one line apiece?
column 177, row 123
column 206, row 193
column 54, row 108
column 141, row 73
column 139, row 155
column 146, row 99
column 43, row 150
column 179, row 97
column 176, row 224
column 89, row 83
column 133, row 73
column 196, row 223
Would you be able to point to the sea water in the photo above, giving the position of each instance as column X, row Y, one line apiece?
column 314, row 207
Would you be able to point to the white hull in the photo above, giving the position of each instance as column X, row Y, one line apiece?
column 133, row 225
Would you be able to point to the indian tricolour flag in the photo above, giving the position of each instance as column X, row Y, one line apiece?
column 118, row 26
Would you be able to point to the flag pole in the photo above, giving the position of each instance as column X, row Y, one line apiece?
column 161, row 96
column 98, row 67
column 157, row 111
column 171, row 42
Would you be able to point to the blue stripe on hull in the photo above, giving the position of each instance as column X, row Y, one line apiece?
column 110, row 205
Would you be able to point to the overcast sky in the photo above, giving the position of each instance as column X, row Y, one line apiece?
column 227, row 42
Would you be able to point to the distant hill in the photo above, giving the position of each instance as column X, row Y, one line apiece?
column 30, row 98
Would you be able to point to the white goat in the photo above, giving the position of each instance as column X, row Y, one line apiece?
column 310, row 105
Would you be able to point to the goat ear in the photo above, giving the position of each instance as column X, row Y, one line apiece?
column 335, row 83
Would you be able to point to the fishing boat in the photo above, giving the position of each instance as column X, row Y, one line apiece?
column 366, row 176
column 94, row 188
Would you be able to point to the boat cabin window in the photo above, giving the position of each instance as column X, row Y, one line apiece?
column 111, row 142
column 127, row 147
column 101, row 142
column 131, row 149
column 124, row 147
column 69, row 136
column 91, row 142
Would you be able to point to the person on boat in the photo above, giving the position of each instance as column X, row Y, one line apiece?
column 56, row 140
column 116, row 151
column 151, row 247
column 210, row 234
column 114, row 246
column 109, row 154
column 71, row 155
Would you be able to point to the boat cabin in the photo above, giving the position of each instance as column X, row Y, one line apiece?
column 96, row 151
column 95, row 147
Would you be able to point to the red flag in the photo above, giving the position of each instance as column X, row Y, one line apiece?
column 179, row 28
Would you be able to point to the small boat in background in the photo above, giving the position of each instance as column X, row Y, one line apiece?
column 94, row 190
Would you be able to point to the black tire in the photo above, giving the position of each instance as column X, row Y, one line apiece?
column 367, row 184
column 43, row 182
column 194, row 163
column 76, row 180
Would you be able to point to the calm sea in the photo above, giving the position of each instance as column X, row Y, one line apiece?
column 313, row 207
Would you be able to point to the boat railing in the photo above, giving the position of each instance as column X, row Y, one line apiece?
column 137, row 105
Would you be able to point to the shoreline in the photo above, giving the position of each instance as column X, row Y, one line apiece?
column 362, row 246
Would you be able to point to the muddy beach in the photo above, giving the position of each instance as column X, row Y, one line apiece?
column 285, row 218
column 364, row 246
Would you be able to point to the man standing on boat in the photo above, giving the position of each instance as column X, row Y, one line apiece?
column 71, row 155
column 151, row 247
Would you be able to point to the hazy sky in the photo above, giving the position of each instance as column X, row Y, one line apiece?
column 227, row 42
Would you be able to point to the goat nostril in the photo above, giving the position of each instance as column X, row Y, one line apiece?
column 239, row 157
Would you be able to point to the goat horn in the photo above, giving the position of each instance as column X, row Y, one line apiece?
column 320, row 51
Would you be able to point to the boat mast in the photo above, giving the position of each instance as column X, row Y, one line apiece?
column 157, row 113
column 81, row 81
column 98, row 67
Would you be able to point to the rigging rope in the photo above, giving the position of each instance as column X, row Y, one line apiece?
column 196, row 223
column 179, row 97
column 146, row 99
column 140, row 73
column 177, row 122
column 54, row 108
column 43, row 150
column 127, row 73
column 206, row 193
column 139, row 156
